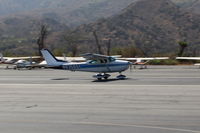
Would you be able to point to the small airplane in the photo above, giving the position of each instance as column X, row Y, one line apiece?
column 190, row 58
column 100, row 64
column 12, row 60
column 143, row 61
column 19, row 62
column 24, row 64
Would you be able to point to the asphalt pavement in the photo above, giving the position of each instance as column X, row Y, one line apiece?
column 160, row 99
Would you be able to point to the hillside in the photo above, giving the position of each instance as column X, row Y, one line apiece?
column 19, row 6
column 154, row 26
column 19, row 31
column 192, row 5
column 150, row 23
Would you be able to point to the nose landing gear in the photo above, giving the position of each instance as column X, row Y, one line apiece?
column 121, row 77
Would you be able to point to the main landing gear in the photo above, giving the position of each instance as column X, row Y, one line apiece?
column 105, row 76
column 102, row 76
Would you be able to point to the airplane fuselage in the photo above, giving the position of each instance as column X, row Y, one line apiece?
column 100, row 64
column 117, row 66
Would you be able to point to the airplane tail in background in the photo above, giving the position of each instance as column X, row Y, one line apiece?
column 51, row 59
column 1, row 57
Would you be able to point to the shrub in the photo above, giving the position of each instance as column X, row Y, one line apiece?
column 164, row 62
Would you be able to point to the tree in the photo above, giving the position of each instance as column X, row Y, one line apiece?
column 128, row 51
column 41, row 38
column 182, row 45
column 72, row 41
column 107, row 42
column 131, row 51
column 108, row 46
column 97, row 43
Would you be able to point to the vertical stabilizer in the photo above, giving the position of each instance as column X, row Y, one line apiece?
column 51, row 59
column 1, row 57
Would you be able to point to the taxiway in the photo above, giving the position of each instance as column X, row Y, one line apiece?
column 161, row 99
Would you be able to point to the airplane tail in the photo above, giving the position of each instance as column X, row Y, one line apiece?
column 51, row 59
column 1, row 57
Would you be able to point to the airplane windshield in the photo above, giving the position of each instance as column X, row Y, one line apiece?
column 111, row 59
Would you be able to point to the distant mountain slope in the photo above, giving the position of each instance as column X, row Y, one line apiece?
column 25, row 23
column 94, row 11
column 192, row 5
column 14, row 6
column 154, row 26
column 20, row 21
column 19, row 34
column 19, row 6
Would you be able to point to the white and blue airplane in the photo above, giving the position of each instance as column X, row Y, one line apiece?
column 97, row 63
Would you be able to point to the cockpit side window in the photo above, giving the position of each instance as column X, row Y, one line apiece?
column 101, row 61
column 93, row 62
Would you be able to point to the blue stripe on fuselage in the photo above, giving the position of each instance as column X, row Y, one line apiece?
column 100, row 65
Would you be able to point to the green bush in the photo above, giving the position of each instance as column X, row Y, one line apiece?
column 164, row 62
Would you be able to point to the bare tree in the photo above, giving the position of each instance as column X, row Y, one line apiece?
column 97, row 43
column 107, row 45
column 41, row 38
column 72, row 40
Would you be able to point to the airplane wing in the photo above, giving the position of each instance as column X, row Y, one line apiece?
column 90, row 56
column 10, row 60
column 72, row 59
column 22, row 58
column 188, row 58
column 144, row 59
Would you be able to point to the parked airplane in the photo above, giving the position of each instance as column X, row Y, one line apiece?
column 27, row 62
column 95, row 63
column 190, row 58
column 19, row 62
column 1, row 59
column 143, row 61
column 12, row 60
column 24, row 64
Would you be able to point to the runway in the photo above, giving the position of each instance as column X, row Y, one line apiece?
column 161, row 99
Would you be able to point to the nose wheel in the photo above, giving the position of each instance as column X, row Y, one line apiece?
column 121, row 76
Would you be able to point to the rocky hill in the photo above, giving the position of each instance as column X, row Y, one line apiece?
column 19, row 30
column 154, row 26
column 19, row 6
column 146, row 24
column 192, row 5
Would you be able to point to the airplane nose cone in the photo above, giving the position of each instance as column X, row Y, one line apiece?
column 130, row 63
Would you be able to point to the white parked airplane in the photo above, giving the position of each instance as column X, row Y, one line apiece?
column 24, row 64
column 100, row 64
column 19, row 62
column 190, row 58
column 12, row 60
column 143, row 61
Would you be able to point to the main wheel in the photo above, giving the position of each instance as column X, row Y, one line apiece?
column 99, row 79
